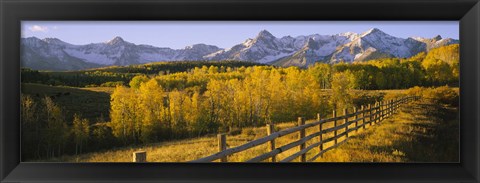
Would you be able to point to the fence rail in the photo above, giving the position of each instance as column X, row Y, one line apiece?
column 366, row 115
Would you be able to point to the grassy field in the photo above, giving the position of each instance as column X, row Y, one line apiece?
column 191, row 149
column 420, row 131
column 417, row 133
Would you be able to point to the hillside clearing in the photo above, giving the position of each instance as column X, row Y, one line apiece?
column 91, row 103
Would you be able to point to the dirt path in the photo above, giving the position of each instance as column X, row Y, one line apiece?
column 420, row 132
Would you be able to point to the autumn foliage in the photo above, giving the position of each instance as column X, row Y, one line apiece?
column 159, row 106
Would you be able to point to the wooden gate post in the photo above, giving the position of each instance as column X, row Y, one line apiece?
column 222, row 145
column 139, row 156
column 270, row 130
column 301, row 121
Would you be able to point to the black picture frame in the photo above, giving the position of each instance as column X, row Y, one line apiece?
column 14, row 11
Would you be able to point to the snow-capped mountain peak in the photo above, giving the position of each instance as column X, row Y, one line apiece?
column 54, row 41
column 115, row 40
column 117, row 51
column 349, row 35
column 264, row 34
column 373, row 31
column 301, row 50
column 437, row 38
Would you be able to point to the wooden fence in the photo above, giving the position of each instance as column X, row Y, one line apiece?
column 366, row 115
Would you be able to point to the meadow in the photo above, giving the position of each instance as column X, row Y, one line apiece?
column 422, row 131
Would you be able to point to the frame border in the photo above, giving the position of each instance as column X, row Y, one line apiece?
column 465, row 11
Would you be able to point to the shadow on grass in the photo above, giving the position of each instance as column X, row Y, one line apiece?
column 88, row 104
column 430, row 134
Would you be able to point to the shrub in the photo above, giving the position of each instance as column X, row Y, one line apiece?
column 415, row 91
column 392, row 96
column 112, row 84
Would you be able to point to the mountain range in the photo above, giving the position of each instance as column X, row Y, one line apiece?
column 55, row 54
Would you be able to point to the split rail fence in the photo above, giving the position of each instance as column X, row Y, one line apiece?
column 362, row 117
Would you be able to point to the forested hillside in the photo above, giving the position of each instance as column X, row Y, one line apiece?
column 115, row 75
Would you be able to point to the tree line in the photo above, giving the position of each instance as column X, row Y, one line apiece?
column 47, row 134
column 114, row 75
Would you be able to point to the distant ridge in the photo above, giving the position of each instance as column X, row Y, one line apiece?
column 55, row 54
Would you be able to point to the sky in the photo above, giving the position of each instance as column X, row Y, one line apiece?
column 224, row 34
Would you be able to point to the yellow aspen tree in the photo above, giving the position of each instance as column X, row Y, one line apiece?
column 151, row 107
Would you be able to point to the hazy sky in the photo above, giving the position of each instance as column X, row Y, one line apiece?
column 224, row 34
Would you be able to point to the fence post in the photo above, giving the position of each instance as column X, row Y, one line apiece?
column 396, row 106
column 377, row 112
column 388, row 112
column 363, row 116
column 301, row 121
column 355, row 110
column 391, row 107
column 385, row 110
column 345, row 121
column 382, row 110
column 222, row 145
column 320, row 148
column 335, row 126
column 374, row 113
column 270, row 130
column 370, row 114
column 140, row 156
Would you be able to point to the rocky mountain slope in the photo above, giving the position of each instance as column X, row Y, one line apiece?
column 54, row 54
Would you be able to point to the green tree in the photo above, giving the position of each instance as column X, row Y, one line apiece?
column 323, row 73
column 341, row 86
column 137, row 80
